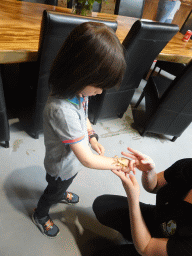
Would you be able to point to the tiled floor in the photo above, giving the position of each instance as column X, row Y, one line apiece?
column 23, row 180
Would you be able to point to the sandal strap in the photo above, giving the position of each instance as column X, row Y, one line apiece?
column 69, row 196
column 49, row 225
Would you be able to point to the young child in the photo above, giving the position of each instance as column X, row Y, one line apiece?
column 90, row 60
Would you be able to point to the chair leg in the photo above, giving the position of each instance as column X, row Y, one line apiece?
column 36, row 135
column 120, row 115
column 174, row 138
column 94, row 121
column 6, row 144
column 139, row 101
column 143, row 133
column 153, row 69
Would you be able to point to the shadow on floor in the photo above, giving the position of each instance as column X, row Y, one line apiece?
column 23, row 188
column 89, row 234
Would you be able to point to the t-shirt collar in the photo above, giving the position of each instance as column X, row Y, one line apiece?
column 75, row 100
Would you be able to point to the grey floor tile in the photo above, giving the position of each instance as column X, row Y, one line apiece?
column 23, row 181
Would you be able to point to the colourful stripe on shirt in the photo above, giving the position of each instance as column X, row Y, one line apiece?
column 75, row 100
column 73, row 141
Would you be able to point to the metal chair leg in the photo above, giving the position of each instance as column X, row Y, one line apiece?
column 140, row 99
column 153, row 69
column 120, row 115
column 36, row 135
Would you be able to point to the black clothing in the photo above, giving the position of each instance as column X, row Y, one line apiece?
column 52, row 194
column 113, row 211
column 171, row 217
column 123, row 250
column 172, row 211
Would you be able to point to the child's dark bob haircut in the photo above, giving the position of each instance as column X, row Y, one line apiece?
column 91, row 55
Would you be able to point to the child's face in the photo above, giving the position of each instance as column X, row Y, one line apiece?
column 90, row 91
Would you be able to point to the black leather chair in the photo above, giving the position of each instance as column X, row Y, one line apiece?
column 142, row 44
column 187, row 25
column 54, row 30
column 4, row 125
column 49, row 2
column 130, row 8
column 96, row 5
column 171, row 67
column 168, row 105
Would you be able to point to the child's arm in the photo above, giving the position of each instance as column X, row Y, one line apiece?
column 93, row 141
column 89, row 127
column 93, row 161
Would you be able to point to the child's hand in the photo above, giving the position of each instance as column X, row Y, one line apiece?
column 97, row 146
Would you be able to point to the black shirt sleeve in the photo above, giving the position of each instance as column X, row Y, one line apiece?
column 179, row 246
column 179, row 178
column 180, row 172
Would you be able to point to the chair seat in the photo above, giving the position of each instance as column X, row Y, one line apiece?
column 162, row 84
column 153, row 93
column 171, row 67
column 154, row 90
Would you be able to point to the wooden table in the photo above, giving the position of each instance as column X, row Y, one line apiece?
column 20, row 28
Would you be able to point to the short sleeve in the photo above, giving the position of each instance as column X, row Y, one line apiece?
column 180, row 171
column 67, row 125
column 179, row 246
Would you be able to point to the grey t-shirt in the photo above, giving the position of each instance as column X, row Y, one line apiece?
column 65, row 122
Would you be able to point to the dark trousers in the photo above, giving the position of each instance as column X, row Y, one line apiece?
column 113, row 211
column 52, row 194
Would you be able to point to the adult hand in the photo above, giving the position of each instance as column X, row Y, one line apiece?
column 97, row 146
column 130, row 185
column 140, row 161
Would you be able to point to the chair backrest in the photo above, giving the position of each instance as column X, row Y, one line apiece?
column 142, row 45
column 49, row 2
column 178, row 97
column 130, row 8
column 96, row 5
column 187, row 24
column 54, row 30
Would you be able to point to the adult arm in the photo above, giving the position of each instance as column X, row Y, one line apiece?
column 151, row 181
column 144, row 243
